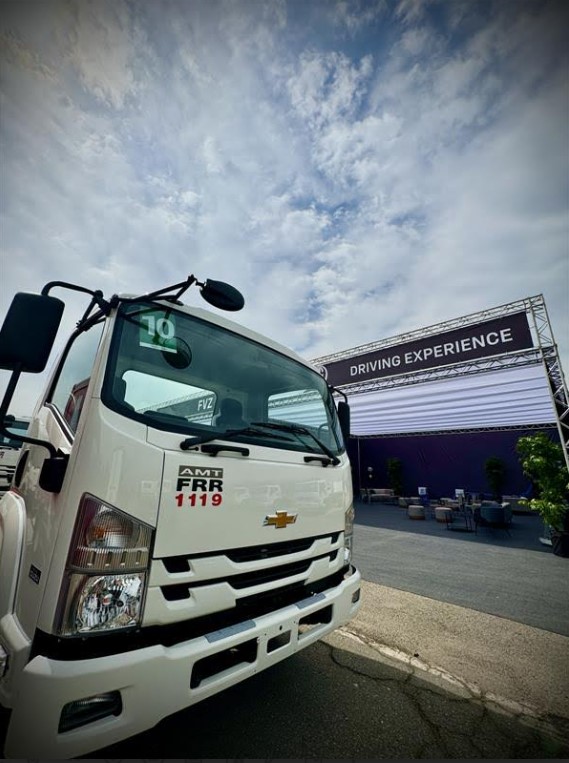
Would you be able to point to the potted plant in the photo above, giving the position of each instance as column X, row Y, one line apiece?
column 495, row 474
column 543, row 462
column 395, row 475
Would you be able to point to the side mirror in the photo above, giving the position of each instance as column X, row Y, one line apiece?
column 344, row 416
column 222, row 295
column 28, row 332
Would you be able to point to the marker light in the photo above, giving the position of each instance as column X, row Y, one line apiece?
column 105, row 579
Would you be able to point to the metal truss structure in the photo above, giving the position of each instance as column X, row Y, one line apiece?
column 543, row 353
column 516, row 428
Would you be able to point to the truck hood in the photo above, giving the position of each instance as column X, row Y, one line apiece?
column 232, row 499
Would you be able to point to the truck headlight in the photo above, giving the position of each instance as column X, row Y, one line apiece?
column 102, row 603
column 348, row 534
column 106, row 572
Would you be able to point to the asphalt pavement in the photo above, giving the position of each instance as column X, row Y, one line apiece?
column 408, row 678
column 511, row 575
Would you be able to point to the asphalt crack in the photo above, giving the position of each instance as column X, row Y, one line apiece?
column 461, row 690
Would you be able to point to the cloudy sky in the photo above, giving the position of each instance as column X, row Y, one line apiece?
column 357, row 169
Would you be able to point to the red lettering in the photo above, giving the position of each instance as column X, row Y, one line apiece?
column 199, row 499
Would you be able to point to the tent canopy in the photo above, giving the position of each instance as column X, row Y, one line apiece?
column 504, row 398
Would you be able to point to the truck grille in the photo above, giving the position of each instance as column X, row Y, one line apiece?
column 174, row 564
column 246, row 580
column 208, row 584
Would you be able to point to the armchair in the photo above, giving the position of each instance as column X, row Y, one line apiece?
column 494, row 516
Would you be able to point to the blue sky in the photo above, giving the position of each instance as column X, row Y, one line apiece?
column 356, row 169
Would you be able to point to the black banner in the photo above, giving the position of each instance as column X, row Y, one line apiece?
column 480, row 340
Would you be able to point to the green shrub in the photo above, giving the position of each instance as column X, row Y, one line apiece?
column 543, row 462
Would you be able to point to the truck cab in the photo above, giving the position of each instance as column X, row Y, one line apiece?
column 181, row 518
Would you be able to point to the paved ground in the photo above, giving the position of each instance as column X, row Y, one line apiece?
column 409, row 678
column 518, row 667
column 513, row 576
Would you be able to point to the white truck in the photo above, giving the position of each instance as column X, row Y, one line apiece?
column 10, row 446
column 180, row 519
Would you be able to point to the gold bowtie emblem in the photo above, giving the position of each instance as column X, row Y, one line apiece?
column 280, row 519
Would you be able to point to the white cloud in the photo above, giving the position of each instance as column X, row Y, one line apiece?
column 412, row 11
column 355, row 15
column 327, row 87
column 351, row 189
column 103, row 50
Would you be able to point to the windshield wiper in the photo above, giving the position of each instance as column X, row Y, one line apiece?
column 209, row 437
column 299, row 430
column 251, row 430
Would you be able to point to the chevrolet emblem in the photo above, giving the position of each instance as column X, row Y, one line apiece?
column 280, row 519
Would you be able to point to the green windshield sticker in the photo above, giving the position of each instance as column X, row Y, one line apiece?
column 158, row 331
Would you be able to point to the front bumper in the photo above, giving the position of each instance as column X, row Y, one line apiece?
column 156, row 681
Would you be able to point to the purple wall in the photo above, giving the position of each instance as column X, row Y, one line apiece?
column 443, row 462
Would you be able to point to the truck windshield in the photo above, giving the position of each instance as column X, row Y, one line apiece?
column 176, row 372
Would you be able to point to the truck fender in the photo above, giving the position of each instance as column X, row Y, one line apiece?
column 12, row 534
